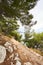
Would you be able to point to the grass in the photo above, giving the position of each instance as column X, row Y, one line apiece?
column 37, row 51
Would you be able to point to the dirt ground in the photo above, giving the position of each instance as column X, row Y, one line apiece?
column 18, row 54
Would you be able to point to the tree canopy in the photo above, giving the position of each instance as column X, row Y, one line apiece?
column 17, row 9
column 13, row 10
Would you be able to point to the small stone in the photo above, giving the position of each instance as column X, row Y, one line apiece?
column 12, row 63
column 27, row 63
column 16, row 54
column 7, row 44
column 17, row 58
column 9, row 47
column 12, row 56
column 14, row 47
column 18, row 63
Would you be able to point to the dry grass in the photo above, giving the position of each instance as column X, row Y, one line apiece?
column 37, row 51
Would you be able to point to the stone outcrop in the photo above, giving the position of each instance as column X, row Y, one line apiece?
column 13, row 52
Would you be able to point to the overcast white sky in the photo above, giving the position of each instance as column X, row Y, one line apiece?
column 37, row 12
column 38, row 15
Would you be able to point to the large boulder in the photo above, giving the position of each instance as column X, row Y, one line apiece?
column 13, row 52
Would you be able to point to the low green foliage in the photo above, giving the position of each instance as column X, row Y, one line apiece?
column 35, row 42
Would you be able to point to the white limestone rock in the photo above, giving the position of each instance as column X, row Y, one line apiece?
column 18, row 63
column 7, row 44
column 2, row 53
column 14, row 47
column 9, row 47
column 12, row 63
column 27, row 63
column 17, row 57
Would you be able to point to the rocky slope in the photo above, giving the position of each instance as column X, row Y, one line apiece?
column 14, row 53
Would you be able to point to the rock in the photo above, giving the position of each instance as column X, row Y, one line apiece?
column 18, row 63
column 2, row 53
column 27, row 63
column 9, row 47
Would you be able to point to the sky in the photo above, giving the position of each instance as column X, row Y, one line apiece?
column 37, row 12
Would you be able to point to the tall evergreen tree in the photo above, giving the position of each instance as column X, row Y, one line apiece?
column 15, row 9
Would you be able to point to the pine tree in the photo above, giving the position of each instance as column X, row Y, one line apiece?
column 13, row 10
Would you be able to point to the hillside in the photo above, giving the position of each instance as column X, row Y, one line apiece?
column 13, row 52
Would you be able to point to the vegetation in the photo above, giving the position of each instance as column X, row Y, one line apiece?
column 35, row 42
column 15, row 10
column 37, row 51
